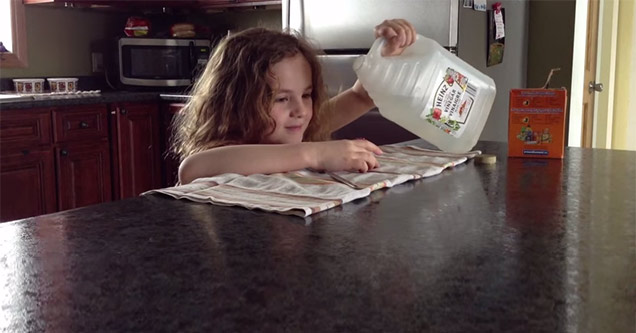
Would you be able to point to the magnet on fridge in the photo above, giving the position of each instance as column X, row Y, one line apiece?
column 479, row 5
column 496, row 35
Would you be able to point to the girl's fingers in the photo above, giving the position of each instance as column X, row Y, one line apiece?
column 369, row 161
column 384, row 30
column 397, row 30
column 369, row 146
column 398, row 34
column 409, row 30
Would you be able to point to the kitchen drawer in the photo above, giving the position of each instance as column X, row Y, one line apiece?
column 25, row 128
column 81, row 122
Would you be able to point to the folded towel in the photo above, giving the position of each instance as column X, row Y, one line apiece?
column 306, row 192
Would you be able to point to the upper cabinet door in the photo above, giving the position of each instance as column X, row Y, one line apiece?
column 138, row 148
column 135, row 4
column 118, row 3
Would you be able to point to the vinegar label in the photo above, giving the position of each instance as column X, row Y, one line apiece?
column 452, row 103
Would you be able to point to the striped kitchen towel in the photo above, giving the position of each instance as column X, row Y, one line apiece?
column 306, row 192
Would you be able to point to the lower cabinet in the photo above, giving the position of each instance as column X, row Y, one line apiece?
column 27, row 183
column 136, row 148
column 67, row 157
column 84, row 174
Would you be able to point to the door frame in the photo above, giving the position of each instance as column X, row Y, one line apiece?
column 605, row 74
column 591, row 117
column 580, row 60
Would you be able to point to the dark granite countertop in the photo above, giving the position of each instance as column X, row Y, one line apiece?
column 520, row 246
column 103, row 97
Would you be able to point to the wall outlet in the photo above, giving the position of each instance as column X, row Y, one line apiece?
column 97, row 60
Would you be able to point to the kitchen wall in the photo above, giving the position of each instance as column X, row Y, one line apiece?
column 59, row 39
column 624, row 118
column 511, row 73
column 550, row 41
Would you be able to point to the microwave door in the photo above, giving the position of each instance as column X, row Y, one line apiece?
column 156, row 62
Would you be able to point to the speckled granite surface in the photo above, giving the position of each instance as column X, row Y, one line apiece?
column 105, row 97
column 519, row 246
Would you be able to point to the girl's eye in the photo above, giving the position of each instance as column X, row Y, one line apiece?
column 281, row 99
column 307, row 95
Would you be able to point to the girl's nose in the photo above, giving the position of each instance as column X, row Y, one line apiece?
column 299, row 109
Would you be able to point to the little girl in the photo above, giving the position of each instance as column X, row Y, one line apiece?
column 260, row 106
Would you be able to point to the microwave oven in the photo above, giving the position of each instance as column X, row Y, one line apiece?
column 161, row 62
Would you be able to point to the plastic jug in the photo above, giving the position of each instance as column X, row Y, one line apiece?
column 430, row 92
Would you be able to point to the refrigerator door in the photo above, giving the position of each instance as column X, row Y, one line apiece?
column 343, row 29
column 348, row 24
column 337, row 72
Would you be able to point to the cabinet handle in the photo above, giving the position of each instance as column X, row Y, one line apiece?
column 64, row 152
column 83, row 124
column 123, row 111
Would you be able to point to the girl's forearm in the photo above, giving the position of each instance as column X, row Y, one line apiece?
column 246, row 160
column 349, row 106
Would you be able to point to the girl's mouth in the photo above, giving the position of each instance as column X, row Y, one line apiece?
column 294, row 128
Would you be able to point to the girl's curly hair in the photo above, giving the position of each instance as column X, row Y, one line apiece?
column 231, row 100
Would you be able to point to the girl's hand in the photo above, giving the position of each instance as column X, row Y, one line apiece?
column 346, row 155
column 398, row 33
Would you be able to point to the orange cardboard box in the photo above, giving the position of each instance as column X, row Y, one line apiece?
column 536, row 124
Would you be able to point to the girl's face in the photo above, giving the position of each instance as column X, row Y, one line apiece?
column 293, row 107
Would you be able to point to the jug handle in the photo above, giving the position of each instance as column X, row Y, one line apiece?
column 376, row 47
column 374, row 52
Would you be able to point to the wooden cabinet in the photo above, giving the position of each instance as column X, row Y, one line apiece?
column 67, row 157
column 53, row 159
column 136, row 148
column 82, row 155
column 132, row 4
column 19, row 129
column 236, row 3
column 27, row 178
column 27, row 183
column 83, row 173
column 117, row 3
column 80, row 123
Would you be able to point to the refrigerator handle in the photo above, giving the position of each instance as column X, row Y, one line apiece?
column 301, row 17
column 293, row 12
column 285, row 12
column 454, row 25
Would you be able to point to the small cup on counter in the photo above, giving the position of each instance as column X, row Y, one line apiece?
column 62, row 85
column 28, row 86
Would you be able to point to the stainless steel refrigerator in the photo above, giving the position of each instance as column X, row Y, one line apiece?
column 343, row 29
